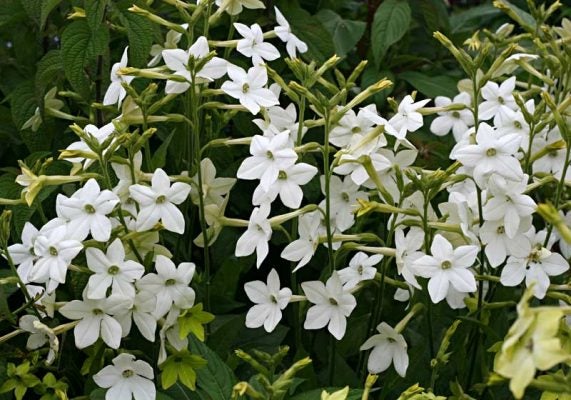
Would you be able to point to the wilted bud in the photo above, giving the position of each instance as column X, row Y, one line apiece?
column 5, row 222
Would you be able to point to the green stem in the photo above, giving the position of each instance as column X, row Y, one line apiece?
column 195, row 99
column 296, row 309
column 109, row 185
column 559, row 190
column 327, row 175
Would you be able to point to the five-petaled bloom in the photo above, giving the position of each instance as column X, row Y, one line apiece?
column 270, row 301
column 127, row 378
column 332, row 305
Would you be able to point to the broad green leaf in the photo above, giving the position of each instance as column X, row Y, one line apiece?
column 435, row 15
column 47, row 7
column 390, row 24
column 160, row 155
column 471, row 18
column 95, row 12
column 11, row 12
column 33, row 9
column 140, row 34
column 5, row 313
column 345, row 33
column 23, row 103
column 517, row 14
column 48, row 70
column 431, row 86
column 79, row 46
column 75, row 42
column 98, row 42
column 216, row 379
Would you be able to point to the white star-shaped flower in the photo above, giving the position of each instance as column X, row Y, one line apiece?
column 303, row 248
column 499, row 102
column 86, row 211
column 127, row 378
column 170, row 284
column 235, row 7
column 534, row 263
column 269, row 157
column 140, row 312
column 248, row 88
column 361, row 268
column 389, row 347
column 407, row 118
column 493, row 154
column 23, row 254
column 447, row 266
column 256, row 236
column 181, row 62
column 99, row 134
column 283, row 31
column 287, row 186
column 112, row 270
column 270, row 301
column 457, row 120
column 115, row 92
column 252, row 45
column 332, row 305
column 55, row 251
column 158, row 202
column 96, row 320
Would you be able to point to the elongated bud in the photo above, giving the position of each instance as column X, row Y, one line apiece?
column 460, row 55
column 559, row 120
column 551, row 216
column 244, row 389
column 155, row 18
column 357, row 72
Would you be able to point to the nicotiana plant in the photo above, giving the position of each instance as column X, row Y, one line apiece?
column 460, row 271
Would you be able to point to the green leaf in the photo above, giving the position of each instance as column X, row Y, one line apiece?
column 11, row 12
column 517, row 14
column 345, row 33
column 431, row 86
column 75, row 43
column 140, row 34
column 99, row 42
column 471, row 18
column 435, row 15
column 181, row 366
column 48, row 70
column 193, row 321
column 47, row 7
column 216, row 379
column 33, row 9
column 391, row 22
column 160, row 155
column 5, row 313
column 23, row 103
column 95, row 12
